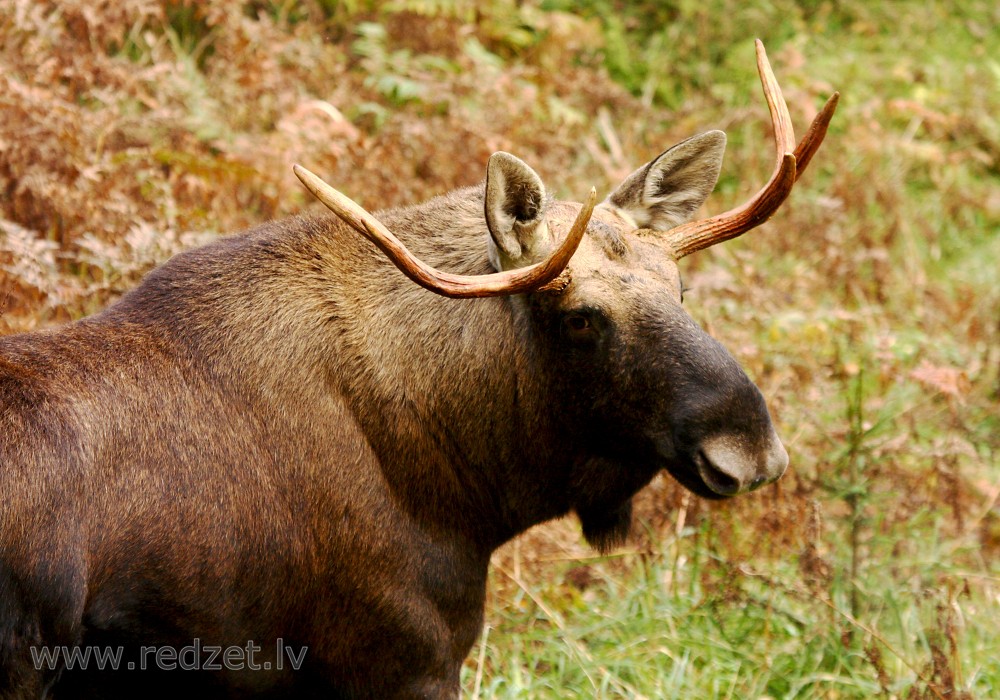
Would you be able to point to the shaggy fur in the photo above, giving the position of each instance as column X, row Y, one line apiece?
column 279, row 436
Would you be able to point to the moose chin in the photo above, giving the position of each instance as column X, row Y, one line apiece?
column 313, row 434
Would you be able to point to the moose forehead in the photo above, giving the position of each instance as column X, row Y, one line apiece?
column 613, row 252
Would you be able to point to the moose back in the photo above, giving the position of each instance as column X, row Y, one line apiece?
column 281, row 440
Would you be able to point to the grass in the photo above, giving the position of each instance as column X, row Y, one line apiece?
column 687, row 621
column 867, row 309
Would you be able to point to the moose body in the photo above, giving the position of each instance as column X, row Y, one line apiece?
column 208, row 459
column 279, row 439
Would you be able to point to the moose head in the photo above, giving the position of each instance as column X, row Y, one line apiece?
column 642, row 385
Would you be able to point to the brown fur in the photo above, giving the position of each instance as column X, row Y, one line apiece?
column 279, row 435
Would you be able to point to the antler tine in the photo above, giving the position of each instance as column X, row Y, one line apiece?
column 690, row 237
column 524, row 279
column 781, row 120
column 814, row 137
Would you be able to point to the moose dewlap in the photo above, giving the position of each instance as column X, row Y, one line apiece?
column 279, row 441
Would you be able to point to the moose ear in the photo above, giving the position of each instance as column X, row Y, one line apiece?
column 515, row 213
column 667, row 190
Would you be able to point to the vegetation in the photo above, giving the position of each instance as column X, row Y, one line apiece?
column 867, row 310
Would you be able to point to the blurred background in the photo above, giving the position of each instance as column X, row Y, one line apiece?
column 867, row 309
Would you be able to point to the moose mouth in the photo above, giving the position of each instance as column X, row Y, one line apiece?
column 690, row 467
column 697, row 474
column 714, row 469
column 701, row 468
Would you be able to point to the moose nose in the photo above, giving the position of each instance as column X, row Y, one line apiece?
column 729, row 467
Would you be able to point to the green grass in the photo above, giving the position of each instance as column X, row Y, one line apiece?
column 687, row 622
column 867, row 310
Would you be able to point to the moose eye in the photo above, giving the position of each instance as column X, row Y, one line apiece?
column 579, row 327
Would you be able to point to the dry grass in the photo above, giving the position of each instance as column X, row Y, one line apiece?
column 867, row 310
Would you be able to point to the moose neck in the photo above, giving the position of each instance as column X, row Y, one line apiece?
column 460, row 423
column 450, row 394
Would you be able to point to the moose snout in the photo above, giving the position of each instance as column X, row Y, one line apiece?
column 729, row 466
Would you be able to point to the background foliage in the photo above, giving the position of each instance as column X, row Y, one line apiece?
column 867, row 310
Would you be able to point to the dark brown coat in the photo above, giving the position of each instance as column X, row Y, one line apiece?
column 280, row 436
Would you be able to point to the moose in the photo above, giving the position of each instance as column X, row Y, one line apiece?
column 279, row 439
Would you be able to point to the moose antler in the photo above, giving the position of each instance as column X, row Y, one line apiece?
column 542, row 275
column 789, row 165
